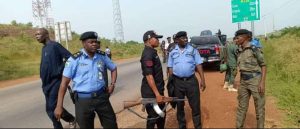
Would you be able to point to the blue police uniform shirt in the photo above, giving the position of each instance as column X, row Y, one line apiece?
column 184, row 62
column 88, row 74
column 52, row 65
column 255, row 42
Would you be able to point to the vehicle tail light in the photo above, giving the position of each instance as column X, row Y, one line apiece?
column 217, row 49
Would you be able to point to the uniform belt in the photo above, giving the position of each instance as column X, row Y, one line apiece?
column 184, row 78
column 93, row 94
column 249, row 75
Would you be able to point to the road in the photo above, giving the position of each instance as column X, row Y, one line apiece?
column 23, row 106
column 218, row 109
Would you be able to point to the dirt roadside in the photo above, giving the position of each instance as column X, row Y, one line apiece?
column 218, row 108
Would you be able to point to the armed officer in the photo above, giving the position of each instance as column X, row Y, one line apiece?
column 152, row 83
column 183, row 61
column 253, row 74
column 86, row 69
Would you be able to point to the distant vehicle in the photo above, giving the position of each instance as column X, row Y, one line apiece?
column 206, row 32
column 210, row 49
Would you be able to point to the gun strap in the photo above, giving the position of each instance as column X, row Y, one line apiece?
column 154, row 118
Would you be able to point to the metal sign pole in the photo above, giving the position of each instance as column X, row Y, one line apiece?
column 252, row 29
column 66, row 34
column 239, row 26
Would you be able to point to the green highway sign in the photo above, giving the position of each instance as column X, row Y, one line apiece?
column 245, row 10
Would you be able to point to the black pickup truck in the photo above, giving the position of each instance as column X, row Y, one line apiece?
column 209, row 47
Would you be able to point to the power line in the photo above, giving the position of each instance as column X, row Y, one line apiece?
column 280, row 7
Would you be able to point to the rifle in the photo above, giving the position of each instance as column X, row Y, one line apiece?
column 153, row 102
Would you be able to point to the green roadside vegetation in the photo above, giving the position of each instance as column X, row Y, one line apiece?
column 282, row 53
column 20, row 52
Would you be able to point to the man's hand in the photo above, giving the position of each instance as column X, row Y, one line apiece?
column 261, row 89
column 159, row 99
column 202, row 86
column 110, row 89
column 58, row 112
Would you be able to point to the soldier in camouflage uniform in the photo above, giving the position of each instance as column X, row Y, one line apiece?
column 231, row 62
column 252, row 67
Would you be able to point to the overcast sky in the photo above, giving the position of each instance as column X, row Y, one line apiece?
column 166, row 17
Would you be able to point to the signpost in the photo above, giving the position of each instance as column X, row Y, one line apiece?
column 245, row 10
column 63, row 32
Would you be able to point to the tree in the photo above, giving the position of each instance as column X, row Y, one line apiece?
column 13, row 22
column 29, row 24
column 132, row 42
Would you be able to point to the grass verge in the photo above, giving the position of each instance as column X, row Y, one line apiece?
column 283, row 76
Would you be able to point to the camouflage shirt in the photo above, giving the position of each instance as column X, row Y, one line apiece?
column 231, row 54
column 250, row 59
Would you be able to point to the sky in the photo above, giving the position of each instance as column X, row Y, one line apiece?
column 166, row 17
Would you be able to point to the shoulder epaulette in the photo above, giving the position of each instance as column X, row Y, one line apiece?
column 101, row 52
column 76, row 55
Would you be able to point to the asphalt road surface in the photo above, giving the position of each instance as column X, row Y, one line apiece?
column 23, row 106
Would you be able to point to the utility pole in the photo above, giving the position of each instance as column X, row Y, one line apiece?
column 118, row 26
column 265, row 28
column 273, row 23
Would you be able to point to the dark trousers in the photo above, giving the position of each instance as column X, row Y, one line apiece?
column 160, row 122
column 51, row 101
column 190, row 89
column 85, row 109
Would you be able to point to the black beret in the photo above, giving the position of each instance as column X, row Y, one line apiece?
column 180, row 34
column 151, row 34
column 89, row 35
column 242, row 31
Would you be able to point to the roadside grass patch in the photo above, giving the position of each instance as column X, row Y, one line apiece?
column 283, row 76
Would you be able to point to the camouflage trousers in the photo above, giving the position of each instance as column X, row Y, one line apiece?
column 230, row 75
column 246, row 89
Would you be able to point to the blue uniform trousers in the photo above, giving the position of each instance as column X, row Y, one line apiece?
column 87, row 107
column 188, row 87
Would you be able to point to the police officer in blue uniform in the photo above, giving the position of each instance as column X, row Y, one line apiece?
column 86, row 70
column 184, row 61
column 51, row 68
column 153, row 82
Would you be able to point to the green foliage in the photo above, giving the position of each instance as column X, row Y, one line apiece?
column 20, row 53
column 132, row 42
column 283, row 76
column 14, row 22
column 291, row 31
